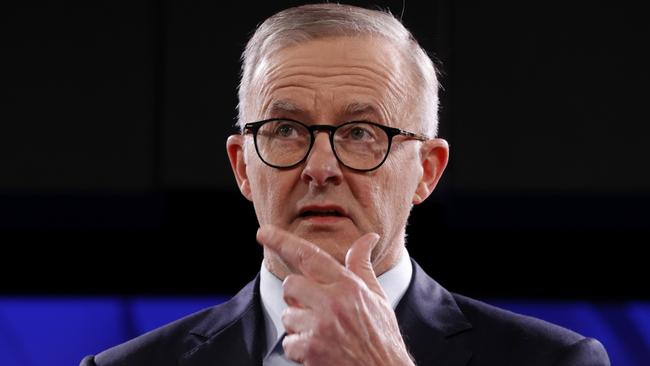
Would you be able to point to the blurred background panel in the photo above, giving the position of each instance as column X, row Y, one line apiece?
column 61, row 331
column 115, row 114
column 78, row 88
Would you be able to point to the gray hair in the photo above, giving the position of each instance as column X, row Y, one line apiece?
column 301, row 24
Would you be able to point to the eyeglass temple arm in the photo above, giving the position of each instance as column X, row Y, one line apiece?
column 416, row 136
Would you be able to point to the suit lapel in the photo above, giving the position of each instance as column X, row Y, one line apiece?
column 234, row 336
column 432, row 325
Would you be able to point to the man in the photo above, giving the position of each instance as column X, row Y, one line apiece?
column 338, row 112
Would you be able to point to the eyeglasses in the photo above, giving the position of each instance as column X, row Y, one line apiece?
column 358, row 145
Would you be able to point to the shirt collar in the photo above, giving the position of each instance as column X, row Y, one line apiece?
column 395, row 282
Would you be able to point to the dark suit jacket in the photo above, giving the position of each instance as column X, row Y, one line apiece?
column 439, row 328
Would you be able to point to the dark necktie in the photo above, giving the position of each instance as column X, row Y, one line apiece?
column 276, row 357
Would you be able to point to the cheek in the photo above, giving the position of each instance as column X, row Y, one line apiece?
column 271, row 190
column 260, row 185
column 256, row 171
column 373, row 194
column 398, row 182
column 389, row 188
column 253, row 169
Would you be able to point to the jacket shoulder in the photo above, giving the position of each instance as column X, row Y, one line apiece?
column 161, row 346
column 88, row 361
column 166, row 345
column 526, row 339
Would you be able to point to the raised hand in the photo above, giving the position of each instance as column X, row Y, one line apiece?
column 336, row 315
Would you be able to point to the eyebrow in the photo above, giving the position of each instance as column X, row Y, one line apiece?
column 285, row 106
column 358, row 108
column 352, row 109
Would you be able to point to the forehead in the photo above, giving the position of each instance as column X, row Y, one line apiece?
column 353, row 74
column 329, row 51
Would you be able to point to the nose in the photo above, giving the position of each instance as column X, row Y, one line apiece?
column 321, row 167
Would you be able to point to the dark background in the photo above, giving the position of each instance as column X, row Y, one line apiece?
column 114, row 177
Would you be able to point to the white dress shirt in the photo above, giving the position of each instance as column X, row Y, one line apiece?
column 394, row 282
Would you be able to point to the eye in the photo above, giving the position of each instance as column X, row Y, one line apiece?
column 358, row 132
column 285, row 130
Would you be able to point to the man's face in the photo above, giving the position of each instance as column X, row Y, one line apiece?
column 331, row 81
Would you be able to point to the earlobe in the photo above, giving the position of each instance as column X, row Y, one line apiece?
column 434, row 157
column 421, row 193
column 235, row 150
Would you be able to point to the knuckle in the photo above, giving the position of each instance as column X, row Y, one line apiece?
column 286, row 316
column 291, row 351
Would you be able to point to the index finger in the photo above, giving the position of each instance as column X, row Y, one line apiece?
column 300, row 255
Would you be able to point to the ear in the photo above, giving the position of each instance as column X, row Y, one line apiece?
column 434, row 155
column 235, row 149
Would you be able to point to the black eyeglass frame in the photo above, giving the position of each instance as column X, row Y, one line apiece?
column 391, row 132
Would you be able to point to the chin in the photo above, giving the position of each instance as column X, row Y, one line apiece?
column 335, row 245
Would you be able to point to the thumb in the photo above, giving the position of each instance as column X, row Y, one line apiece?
column 358, row 261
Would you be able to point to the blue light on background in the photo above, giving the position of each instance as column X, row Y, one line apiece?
column 39, row 331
